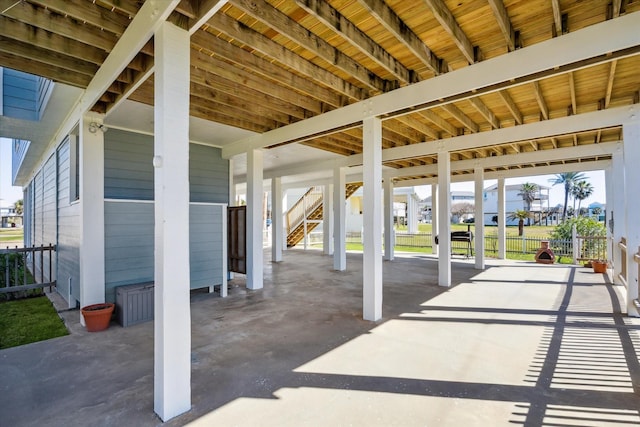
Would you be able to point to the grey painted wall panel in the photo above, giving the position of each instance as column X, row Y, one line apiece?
column 128, row 170
column 205, row 245
column 19, row 95
column 68, row 252
column 129, row 240
column 208, row 175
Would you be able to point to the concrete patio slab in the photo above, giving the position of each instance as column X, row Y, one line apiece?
column 516, row 344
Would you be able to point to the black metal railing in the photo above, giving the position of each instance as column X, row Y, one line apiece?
column 23, row 269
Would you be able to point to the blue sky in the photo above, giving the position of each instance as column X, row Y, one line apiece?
column 556, row 193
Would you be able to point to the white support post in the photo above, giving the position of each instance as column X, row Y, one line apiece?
column 412, row 214
column 609, row 196
column 172, row 324
column 444, row 226
column 327, row 219
column 276, row 219
column 479, row 217
column 631, row 141
column 225, row 271
column 254, row 219
column 388, row 220
column 339, row 218
column 372, row 218
column 434, row 218
column 284, row 220
column 618, row 211
column 502, row 220
column 91, row 165
column 232, row 202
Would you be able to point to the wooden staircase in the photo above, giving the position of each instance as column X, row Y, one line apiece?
column 309, row 210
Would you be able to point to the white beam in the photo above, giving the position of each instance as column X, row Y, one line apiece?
column 618, row 209
column 172, row 324
column 631, row 137
column 521, row 66
column 479, row 217
column 612, row 245
column 444, row 223
column 276, row 220
column 92, row 267
column 372, row 218
column 502, row 220
column 388, row 220
column 339, row 218
column 517, row 173
column 254, row 219
column 434, row 218
column 327, row 219
column 543, row 129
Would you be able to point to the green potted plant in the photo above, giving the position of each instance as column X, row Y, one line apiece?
column 97, row 316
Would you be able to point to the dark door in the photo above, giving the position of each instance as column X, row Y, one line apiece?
column 237, row 229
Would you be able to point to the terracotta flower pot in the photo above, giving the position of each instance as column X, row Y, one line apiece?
column 599, row 266
column 97, row 316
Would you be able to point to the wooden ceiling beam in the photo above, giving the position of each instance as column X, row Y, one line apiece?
column 419, row 126
column 392, row 22
column 259, row 99
column 273, row 18
column 448, row 22
column 540, row 98
column 511, row 105
column 58, row 24
column 238, row 76
column 266, row 69
column 501, row 15
column 461, row 117
column 44, row 56
column 557, row 16
column 51, row 42
column 129, row 7
column 572, row 89
column 266, row 46
column 439, row 121
column 610, row 78
column 485, row 112
column 333, row 19
column 48, row 71
column 88, row 13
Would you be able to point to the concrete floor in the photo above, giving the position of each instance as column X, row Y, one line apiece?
column 516, row 344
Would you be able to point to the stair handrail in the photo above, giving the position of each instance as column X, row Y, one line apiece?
column 303, row 207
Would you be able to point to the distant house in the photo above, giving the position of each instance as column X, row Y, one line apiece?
column 593, row 208
column 514, row 202
column 456, row 197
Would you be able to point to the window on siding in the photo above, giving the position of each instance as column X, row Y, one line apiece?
column 74, row 168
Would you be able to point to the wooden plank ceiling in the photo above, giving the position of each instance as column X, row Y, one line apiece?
column 263, row 64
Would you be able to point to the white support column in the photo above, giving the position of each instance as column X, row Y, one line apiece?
column 276, row 219
column 412, row 214
column 444, row 226
column 339, row 218
column 232, row 185
column 609, row 197
column 631, row 141
column 479, row 217
column 254, row 219
column 172, row 324
column 502, row 220
column 372, row 218
column 327, row 219
column 284, row 220
column 618, row 211
column 434, row 218
column 388, row 220
column 91, row 165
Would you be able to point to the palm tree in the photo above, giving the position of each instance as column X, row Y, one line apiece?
column 520, row 215
column 580, row 191
column 568, row 179
column 19, row 207
column 528, row 193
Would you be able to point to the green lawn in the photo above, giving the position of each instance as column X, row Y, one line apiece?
column 29, row 320
column 533, row 230
column 11, row 234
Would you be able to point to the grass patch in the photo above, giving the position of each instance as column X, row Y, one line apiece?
column 11, row 235
column 29, row 320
